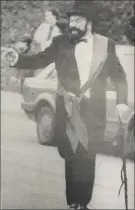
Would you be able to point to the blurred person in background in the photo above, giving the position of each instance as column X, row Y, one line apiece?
column 52, row 26
column 22, row 47
column 47, row 30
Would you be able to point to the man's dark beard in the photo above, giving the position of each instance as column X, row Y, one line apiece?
column 75, row 37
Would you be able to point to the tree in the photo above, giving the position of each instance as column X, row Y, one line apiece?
column 20, row 17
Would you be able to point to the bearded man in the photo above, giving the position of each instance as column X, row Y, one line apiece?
column 78, row 56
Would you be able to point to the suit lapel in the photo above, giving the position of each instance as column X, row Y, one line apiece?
column 100, row 44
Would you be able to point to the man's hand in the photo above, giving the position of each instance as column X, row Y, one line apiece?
column 11, row 56
column 68, row 97
column 123, row 112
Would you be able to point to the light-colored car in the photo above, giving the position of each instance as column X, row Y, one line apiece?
column 39, row 95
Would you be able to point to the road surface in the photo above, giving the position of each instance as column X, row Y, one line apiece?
column 32, row 176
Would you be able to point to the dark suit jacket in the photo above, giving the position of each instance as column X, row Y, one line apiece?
column 62, row 52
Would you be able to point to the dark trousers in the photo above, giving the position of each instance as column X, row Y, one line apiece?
column 79, row 170
column 79, row 176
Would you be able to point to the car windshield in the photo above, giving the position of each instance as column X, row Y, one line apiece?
column 48, row 72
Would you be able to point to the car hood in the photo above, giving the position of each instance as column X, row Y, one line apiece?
column 38, row 83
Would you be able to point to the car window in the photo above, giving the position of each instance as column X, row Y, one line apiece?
column 48, row 72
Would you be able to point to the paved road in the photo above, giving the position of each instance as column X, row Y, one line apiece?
column 33, row 175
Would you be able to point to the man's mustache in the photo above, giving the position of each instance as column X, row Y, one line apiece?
column 74, row 29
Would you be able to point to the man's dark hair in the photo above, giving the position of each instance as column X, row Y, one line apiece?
column 54, row 12
column 62, row 23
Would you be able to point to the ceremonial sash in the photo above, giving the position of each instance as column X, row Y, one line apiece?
column 76, row 129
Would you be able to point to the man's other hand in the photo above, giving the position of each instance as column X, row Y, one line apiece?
column 123, row 112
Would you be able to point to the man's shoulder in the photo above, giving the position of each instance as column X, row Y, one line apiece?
column 111, row 42
column 62, row 38
column 105, row 37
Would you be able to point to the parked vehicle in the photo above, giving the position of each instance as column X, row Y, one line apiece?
column 39, row 94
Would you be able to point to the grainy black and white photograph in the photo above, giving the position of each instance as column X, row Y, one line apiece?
column 67, row 104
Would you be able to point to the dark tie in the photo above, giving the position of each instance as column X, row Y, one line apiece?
column 82, row 40
column 50, row 33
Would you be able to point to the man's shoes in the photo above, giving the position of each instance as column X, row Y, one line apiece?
column 78, row 206
column 74, row 206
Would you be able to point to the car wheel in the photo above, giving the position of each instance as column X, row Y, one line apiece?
column 45, row 125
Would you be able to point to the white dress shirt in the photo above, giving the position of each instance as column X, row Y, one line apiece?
column 43, row 36
column 42, row 32
column 83, row 55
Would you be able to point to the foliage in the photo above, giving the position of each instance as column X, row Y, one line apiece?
column 20, row 17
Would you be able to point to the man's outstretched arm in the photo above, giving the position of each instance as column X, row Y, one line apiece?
column 40, row 60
